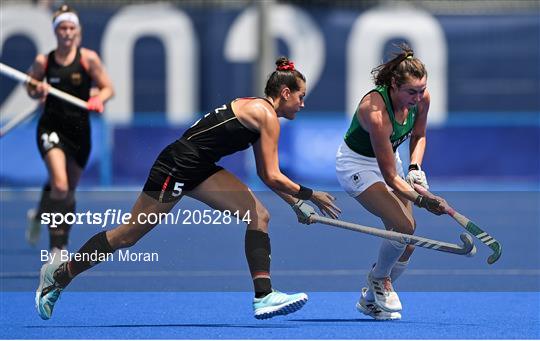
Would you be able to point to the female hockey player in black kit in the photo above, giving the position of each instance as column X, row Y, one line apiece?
column 188, row 167
column 63, row 134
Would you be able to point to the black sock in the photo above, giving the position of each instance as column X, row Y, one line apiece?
column 44, row 205
column 59, row 235
column 61, row 275
column 91, row 253
column 257, row 247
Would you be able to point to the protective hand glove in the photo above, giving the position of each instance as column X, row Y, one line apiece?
column 95, row 104
column 416, row 176
column 303, row 211
column 430, row 204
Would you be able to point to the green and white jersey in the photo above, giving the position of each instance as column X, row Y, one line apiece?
column 358, row 139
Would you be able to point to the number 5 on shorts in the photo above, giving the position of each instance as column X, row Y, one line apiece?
column 177, row 190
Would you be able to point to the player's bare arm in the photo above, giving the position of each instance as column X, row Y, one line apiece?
column 37, row 71
column 417, row 145
column 266, row 154
column 98, row 74
column 378, row 125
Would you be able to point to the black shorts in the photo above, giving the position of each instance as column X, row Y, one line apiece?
column 179, row 168
column 76, row 143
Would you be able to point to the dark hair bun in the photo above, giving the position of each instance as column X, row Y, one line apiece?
column 284, row 64
column 64, row 9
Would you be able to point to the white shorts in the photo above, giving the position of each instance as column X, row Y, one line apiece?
column 356, row 172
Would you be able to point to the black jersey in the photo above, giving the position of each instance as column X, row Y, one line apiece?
column 188, row 161
column 73, row 79
column 220, row 133
column 63, row 124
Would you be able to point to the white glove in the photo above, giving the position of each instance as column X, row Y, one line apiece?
column 417, row 176
column 303, row 211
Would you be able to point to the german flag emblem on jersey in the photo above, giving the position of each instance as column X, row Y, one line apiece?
column 76, row 78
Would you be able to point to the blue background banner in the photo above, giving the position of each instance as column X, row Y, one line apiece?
column 493, row 60
column 490, row 127
column 307, row 153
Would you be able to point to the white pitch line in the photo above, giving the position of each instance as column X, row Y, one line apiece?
column 301, row 273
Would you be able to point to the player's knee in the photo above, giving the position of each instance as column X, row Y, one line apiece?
column 405, row 225
column 59, row 189
column 259, row 219
column 263, row 216
column 408, row 228
column 407, row 253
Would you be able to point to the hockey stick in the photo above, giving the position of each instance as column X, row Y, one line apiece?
column 467, row 248
column 18, row 119
column 471, row 227
column 484, row 237
column 24, row 78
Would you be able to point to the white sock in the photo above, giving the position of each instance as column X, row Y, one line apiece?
column 389, row 254
column 397, row 271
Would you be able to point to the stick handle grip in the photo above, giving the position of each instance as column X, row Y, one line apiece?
column 24, row 78
column 461, row 219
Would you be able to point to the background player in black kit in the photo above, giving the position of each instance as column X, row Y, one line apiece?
column 63, row 134
column 187, row 167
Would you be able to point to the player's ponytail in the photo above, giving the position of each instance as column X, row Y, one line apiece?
column 404, row 65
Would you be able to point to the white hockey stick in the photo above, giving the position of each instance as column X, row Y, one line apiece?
column 468, row 248
column 24, row 78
